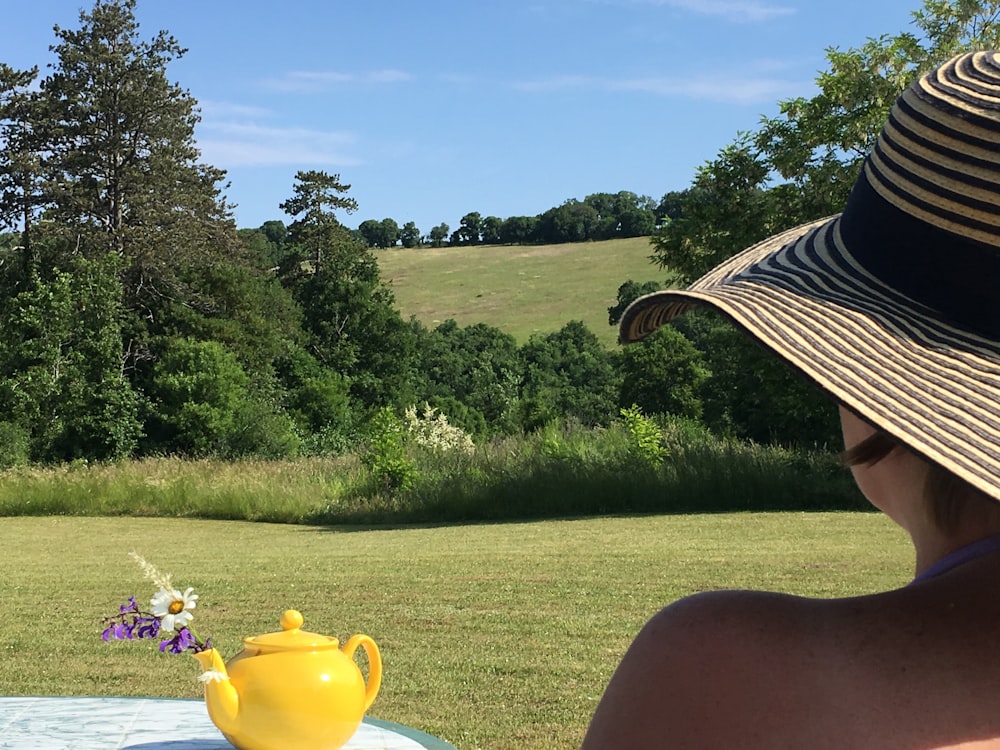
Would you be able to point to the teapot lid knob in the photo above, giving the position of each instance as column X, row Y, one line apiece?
column 291, row 619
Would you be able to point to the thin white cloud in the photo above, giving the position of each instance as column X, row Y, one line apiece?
column 735, row 10
column 315, row 81
column 747, row 89
column 230, row 144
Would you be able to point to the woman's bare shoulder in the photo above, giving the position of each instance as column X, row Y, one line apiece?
column 914, row 667
column 749, row 627
column 720, row 669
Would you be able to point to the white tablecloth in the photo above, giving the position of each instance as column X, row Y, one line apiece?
column 68, row 723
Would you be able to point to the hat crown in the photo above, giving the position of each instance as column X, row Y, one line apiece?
column 924, row 216
column 938, row 156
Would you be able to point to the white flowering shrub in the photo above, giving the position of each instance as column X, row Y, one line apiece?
column 431, row 430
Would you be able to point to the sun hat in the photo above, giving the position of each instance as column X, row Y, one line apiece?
column 892, row 306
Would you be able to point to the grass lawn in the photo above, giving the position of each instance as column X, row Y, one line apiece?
column 519, row 289
column 492, row 636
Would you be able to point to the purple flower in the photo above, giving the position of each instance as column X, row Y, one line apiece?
column 147, row 627
column 131, row 623
column 116, row 631
column 180, row 642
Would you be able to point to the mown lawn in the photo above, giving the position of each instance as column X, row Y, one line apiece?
column 493, row 636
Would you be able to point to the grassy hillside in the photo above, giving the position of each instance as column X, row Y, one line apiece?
column 520, row 290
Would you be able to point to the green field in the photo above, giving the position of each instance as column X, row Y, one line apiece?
column 494, row 636
column 519, row 289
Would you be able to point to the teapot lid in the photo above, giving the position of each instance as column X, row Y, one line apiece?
column 291, row 637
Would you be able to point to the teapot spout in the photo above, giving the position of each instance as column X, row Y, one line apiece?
column 220, row 696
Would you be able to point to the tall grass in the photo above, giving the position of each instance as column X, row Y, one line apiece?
column 276, row 491
column 558, row 472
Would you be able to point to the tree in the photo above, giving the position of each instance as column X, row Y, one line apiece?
column 197, row 388
column 752, row 394
column 637, row 222
column 622, row 214
column 319, row 401
column 61, row 354
column 490, row 228
column 628, row 293
column 381, row 234
column 371, row 232
column 663, row 374
column 315, row 231
column 669, row 207
column 727, row 208
column 518, row 230
column 573, row 221
column 121, row 172
column 348, row 315
column 20, row 160
column 569, row 374
column 470, row 229
column 478, row 366
column 438, row 235
column 409, row 236
column 390, row 233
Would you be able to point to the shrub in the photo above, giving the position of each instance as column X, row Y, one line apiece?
column 646, row 438
column 431, row 431
column 261, row 430
column 384, row 455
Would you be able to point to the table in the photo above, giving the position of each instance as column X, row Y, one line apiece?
column 65, row 723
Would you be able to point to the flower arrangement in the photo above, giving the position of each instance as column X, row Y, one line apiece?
column 169, row 616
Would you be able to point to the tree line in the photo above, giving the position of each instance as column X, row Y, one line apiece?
column 599, row 216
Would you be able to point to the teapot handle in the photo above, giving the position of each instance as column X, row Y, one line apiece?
column 374, row 664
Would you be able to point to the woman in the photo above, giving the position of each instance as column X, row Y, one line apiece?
column 894, row 308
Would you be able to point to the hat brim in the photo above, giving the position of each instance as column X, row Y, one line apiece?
column 933, row 386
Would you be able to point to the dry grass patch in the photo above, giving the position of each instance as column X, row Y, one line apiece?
column 519, row 289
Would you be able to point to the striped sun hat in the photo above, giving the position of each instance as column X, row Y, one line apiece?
column 892, row 306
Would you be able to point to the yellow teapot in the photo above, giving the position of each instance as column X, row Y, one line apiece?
column 290, row 689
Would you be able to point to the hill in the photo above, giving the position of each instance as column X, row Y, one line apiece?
column 519, row 289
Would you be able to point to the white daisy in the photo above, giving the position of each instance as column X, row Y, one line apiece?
column 172, row 608
column 212, row 675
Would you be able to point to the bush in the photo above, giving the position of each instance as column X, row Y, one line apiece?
column 646, row 438
column 261, row 430
column 430, row 430
column 384, row 455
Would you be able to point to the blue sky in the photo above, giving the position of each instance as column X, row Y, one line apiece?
column 431, row 109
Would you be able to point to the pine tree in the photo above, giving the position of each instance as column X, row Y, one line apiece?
column 121, row 167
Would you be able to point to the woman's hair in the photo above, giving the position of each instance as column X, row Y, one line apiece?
column 947, row 496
